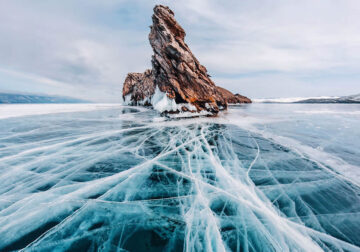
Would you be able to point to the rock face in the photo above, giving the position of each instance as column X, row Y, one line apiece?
column 176, row 70
column 232, row 98
column 177, row 82
column 138, row 88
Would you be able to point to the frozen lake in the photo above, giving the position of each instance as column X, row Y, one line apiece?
column 259, row 177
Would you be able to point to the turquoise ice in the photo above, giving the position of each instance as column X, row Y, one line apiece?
column 260, row 177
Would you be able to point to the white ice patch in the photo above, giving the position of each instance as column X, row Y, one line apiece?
column 161, row 102
column 16, row 110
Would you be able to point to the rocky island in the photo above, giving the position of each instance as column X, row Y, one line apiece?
column 177, row 82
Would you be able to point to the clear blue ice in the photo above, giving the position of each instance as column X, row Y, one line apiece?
column 260, row 177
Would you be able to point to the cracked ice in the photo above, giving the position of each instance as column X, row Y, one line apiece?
column 117, row 178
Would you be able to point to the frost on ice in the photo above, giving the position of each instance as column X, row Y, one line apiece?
column 120, row 180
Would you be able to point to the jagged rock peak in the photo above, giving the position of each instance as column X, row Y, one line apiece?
column 177, row 83
column 176, row 70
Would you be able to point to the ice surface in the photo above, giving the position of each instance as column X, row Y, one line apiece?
column 15, row 110
column 123, row 178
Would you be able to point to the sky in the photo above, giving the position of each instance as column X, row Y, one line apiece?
column 258, row 48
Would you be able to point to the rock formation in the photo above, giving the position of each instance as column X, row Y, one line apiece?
column 177, row 72
column 232, row 98
column 138, row 88
column 177, row 82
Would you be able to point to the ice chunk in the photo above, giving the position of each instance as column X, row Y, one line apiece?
column 161, row 102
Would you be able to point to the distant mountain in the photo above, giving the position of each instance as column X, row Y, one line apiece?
column 31, row 98
column 321, row 99
column 343, row 99
column 289, row 99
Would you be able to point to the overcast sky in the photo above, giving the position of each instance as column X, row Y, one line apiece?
column 259, row 48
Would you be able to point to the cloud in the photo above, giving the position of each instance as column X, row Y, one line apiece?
column 286, row 36
column 20, row 82
column 50, row 41
column 287, row 47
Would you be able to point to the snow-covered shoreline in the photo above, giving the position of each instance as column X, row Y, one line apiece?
column 17, row 110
